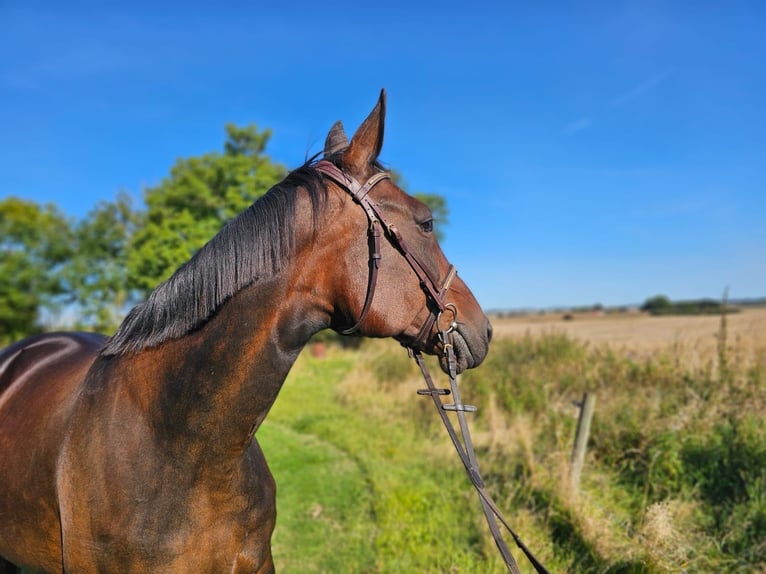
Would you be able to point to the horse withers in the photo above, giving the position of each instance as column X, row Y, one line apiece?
column 136, row 453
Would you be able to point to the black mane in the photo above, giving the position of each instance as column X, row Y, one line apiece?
column 252, row 246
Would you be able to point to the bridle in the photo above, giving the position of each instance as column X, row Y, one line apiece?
column 435, row 301
column 435, row 292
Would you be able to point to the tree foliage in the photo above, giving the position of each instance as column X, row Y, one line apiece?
column 189, row 206
column 96, row 275
column 436, row 203
column 35, row 241
column 656, row 305
column 438, row 206
column 93, row 269
column 662, row 305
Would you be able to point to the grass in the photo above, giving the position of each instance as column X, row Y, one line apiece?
column 673, row 481
column 691, row 339
column 324, row 495
column 355, row 492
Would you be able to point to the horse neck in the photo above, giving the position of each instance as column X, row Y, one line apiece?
column 217, row 384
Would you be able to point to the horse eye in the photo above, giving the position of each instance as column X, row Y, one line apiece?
column 427, row 226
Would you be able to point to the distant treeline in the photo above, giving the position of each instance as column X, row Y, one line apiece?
column 662, row 305
column 657, row 305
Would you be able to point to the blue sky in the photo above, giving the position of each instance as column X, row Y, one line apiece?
column 589, row 151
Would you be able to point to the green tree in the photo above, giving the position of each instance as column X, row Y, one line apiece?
column 657, row 305
column 436, row 203
column 96, row 274
column 189, row 206
column 35, row 240
column 438, row 206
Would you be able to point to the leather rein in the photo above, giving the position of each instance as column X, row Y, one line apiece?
column 435, row 301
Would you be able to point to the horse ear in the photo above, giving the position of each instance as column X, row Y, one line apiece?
column 368, row 139
column 336, row 140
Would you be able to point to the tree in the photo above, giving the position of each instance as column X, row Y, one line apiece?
column 436, row 203
column 438, row 206
column 657, row 305
column 97, row 266
column 189, row 207
column 97, row 275
column 35, row 241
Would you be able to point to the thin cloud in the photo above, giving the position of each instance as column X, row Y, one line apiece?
column 578, row 125
column 641, row 89
column 638, row 91
column 75, row 63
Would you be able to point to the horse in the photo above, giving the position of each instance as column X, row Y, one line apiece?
column 138, row 452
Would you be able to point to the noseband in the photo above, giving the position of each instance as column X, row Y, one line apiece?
column 435, row 292
column 435, row 302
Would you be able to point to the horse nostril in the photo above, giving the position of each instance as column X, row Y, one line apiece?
column 489, row 331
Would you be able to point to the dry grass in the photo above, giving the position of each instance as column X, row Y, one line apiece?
column 669, row 379
column 694, row 338
column 635, row 507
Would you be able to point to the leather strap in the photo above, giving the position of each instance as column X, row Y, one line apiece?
column 434, row 294
column 359, row 193
column 467, row 456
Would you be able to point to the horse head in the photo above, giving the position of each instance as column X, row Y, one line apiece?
column 392, row 278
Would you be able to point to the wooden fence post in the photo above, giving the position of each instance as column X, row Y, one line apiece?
column 587, row 406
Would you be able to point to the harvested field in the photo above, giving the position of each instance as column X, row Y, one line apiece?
column 695, row 337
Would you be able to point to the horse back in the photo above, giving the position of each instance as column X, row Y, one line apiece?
column 40, row 378
column 44, row 364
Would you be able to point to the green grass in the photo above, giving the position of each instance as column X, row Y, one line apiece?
column 360, row 488
column 674, row 479
column 326, row 516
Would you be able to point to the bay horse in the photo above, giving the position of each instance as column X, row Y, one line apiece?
column 137, row 453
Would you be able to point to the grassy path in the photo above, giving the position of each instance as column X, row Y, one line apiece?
column 325, row 514
column 358, row 486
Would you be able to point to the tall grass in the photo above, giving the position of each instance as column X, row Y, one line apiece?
column 675, row 475
column 674, row 479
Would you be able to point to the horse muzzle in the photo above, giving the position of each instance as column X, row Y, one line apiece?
column 470, row 347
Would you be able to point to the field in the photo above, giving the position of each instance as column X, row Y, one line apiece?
column 674, row 479
column 638, row 334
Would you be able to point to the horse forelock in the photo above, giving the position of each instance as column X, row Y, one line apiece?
column 253, row 246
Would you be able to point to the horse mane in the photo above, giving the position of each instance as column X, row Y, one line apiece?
column 251, row 247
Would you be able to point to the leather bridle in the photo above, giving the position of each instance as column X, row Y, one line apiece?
column 435, row 291
column 435, row 301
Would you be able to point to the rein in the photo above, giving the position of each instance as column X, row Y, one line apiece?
column 435, row 300
column 467, row 454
